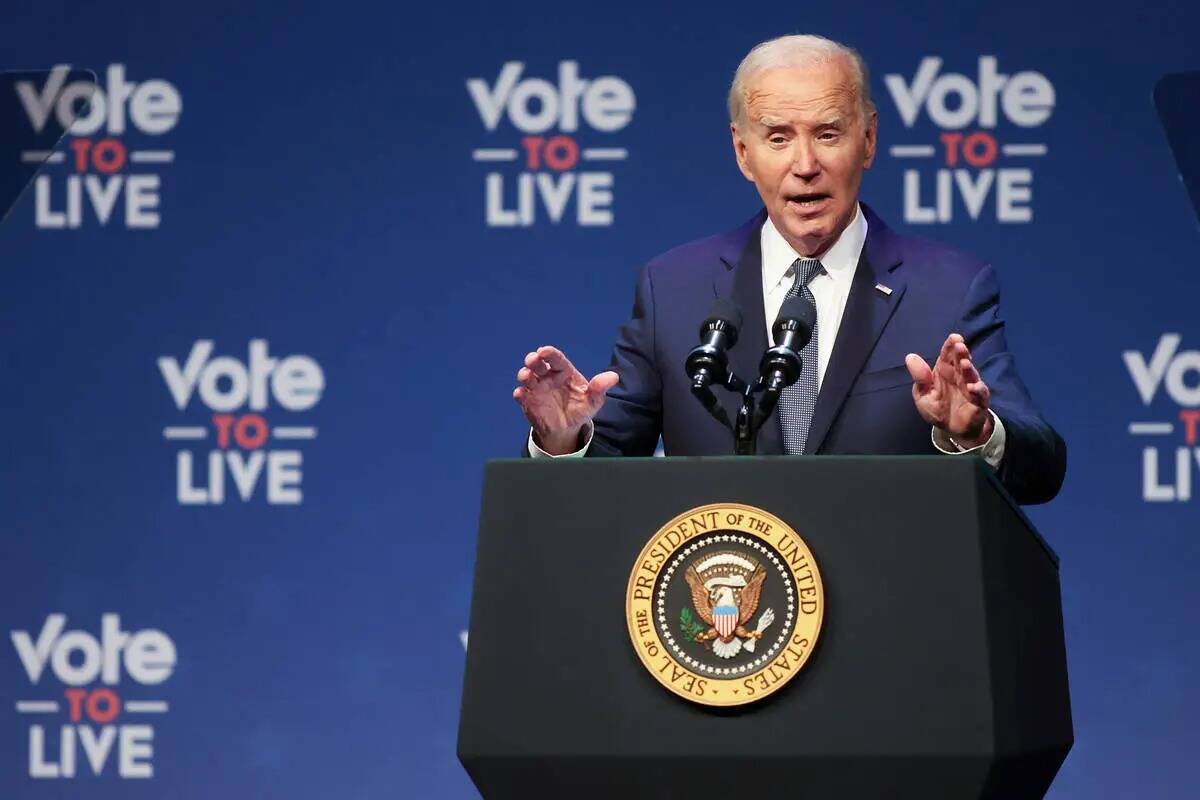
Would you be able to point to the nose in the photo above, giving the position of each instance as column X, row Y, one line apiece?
column 804, row 160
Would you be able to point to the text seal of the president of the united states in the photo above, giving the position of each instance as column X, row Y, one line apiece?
column 725, row 604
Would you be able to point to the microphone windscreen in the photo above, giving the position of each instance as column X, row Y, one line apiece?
column 727, row 311
column 800, row 313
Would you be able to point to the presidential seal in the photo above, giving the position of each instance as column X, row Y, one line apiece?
column 724, row 604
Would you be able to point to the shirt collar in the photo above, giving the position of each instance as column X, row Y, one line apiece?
column 839, row 261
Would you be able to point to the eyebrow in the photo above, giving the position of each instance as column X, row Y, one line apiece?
column 838, row 121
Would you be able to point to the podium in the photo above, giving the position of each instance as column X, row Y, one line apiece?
column 939, row 671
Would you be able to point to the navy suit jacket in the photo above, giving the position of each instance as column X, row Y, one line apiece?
column 865, row 404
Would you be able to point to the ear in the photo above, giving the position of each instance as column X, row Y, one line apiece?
column 739, row 152
column 872, row 131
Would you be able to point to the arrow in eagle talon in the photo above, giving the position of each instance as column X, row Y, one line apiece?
column 764, row 622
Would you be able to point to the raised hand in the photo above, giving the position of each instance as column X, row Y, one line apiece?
column 557, row 399
column 951, row 395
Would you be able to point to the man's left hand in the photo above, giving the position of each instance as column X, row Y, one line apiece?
column 951, row 395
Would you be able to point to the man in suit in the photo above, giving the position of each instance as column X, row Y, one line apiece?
column 804, row 130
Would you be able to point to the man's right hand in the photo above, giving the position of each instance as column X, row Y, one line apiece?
column 557, row 400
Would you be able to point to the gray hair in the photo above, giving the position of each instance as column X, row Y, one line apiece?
column 800, row 50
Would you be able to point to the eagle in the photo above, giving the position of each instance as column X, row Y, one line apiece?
column 733, row 592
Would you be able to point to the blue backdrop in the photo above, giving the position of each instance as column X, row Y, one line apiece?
column 277, row 244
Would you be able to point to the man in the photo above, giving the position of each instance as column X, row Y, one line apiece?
column 804, row 129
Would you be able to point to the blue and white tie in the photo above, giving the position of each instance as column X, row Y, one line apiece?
column 798, row 401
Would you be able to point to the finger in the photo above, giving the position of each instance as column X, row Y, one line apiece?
column 525, row 377
column 539, row 367
column 967, row 369
column 519, row 393
column 947, row 351
column 603, row 382
column 920, row 372
column 979, row 393
column 555, row 358
column 598, row 389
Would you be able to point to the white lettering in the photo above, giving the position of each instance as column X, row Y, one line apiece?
column 83, row 108
column 1147, row 376
column 225, row 383
column 141, row 201
column 594, row 204
column 954, row 101
column 34, row 655
column 78, row 658
column 490, row 103
column 103, row 195
column 136, row 752
column 39, row 104
column 97, row 748
column 283, row 477
column 1014, row 186
column 535, row 105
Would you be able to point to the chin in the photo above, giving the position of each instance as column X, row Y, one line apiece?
column 811, row 232
column 815, row 231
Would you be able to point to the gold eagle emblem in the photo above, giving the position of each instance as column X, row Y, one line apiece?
column 726, row 587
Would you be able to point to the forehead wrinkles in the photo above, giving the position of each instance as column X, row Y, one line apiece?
column 780, row 107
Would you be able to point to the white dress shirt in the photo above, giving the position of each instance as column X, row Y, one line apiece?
column 830, row 290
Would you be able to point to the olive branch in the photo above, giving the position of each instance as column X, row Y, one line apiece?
column 689, row 625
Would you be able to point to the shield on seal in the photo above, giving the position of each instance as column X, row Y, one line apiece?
column 725, row 620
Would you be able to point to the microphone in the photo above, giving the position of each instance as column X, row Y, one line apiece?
column 780, row 365
column 708, row 363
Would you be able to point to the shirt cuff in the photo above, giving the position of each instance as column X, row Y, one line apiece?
column 992, row 451
column 537, row 452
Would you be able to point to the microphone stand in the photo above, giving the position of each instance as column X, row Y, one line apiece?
column 745, row 428
column 709, row 366
column 750, row 417
column 745, row 434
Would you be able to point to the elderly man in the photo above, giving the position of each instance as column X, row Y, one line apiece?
column 804, row 129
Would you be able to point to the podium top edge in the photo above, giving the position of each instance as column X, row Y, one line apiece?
column 967, row 461
column 824, row 459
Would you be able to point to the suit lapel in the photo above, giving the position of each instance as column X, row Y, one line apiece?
column 867, row 313
column 741, row 281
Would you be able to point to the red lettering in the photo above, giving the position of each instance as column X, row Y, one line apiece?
column 222, row 423
column 102, row 705
column 1189, row 417
column 75, row 699
column 108, row 156
column 951, row 139
column 81, row 147
column 561, row 153
column 979, row 149
column 250, row 432
column 112, row 705
column 533, row 150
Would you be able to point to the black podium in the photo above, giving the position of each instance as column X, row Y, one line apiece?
column 940, row 671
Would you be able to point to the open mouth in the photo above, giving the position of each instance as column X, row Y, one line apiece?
column 808, row 200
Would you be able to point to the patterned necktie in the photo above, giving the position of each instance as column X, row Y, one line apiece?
column 798, row 401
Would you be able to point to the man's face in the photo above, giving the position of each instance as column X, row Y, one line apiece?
column 804, row 142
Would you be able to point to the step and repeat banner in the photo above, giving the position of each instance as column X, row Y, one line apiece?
column 262, row 307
